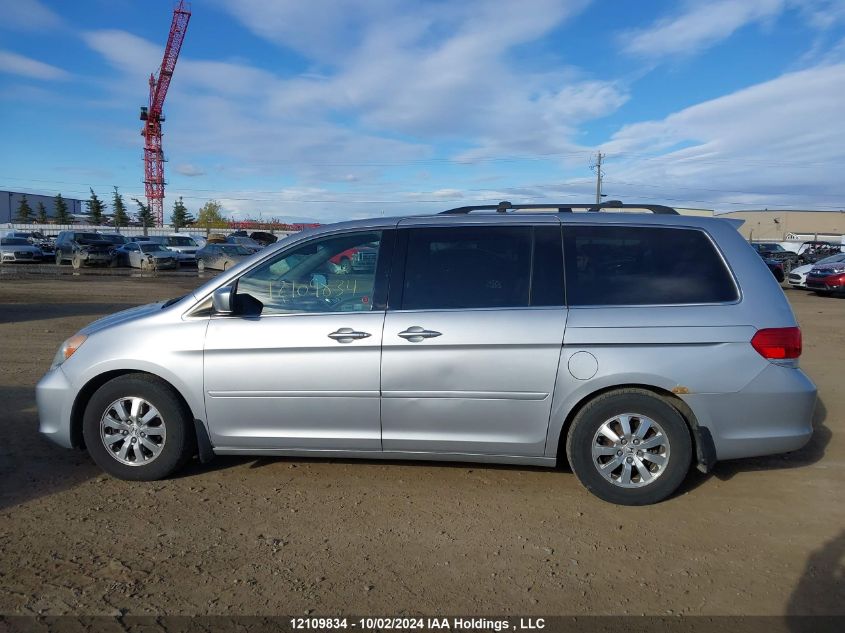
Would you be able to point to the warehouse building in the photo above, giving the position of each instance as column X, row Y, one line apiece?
column 10, row 200
column 793, row 224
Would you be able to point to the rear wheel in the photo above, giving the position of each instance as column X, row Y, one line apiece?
column 629, row 447
column 135, row 428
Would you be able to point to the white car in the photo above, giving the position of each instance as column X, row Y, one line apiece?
column 797, row 277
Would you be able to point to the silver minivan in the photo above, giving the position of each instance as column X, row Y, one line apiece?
column 631, row 346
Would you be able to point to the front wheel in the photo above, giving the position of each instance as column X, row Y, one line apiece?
column 629, row 447
column 135, row 428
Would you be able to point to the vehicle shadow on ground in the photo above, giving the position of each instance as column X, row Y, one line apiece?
column 223, row 462
column 20, row 312
column 810, row 454
column 30, row 466
column 821, row 588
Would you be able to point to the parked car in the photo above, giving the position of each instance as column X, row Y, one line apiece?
column 84, row 249
column 808, row 253
column 776, row 267
column 221, row 256
column 45, row 244
column 147, row 256
column 355, row 260
column 263, row 238
column 798, row 276
column 245, row 242
column 470, row 340
column 184, row 245
column 827, row 279
column 14, row 250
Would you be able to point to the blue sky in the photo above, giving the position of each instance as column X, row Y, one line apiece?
column 330, row 110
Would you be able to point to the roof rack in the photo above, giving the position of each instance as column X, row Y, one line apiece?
column 504, row 206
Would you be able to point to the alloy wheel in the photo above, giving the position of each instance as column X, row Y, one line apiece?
column 133, row 431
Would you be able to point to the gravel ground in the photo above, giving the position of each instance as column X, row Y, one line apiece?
column 292, row 536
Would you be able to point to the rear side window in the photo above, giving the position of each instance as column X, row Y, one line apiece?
column 629, row 265
column 482, row 267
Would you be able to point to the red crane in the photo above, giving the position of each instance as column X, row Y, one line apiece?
column 153, row 117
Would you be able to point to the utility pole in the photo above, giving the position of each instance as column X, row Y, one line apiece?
column 598, row 177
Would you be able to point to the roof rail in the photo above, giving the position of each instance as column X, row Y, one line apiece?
column 504, row 206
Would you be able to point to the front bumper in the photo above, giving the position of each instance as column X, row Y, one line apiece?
column 825, row 284
column 772, row 414
column 18, row 259
column 95, row 258
column 54, row 397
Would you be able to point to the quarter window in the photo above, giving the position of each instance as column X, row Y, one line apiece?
column 334, row 274
column 629, row 265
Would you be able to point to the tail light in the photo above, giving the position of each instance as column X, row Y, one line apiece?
column 778, row 343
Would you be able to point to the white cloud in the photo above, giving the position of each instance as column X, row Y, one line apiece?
column 27, row 67
column 27, row 15
column 782, row 140
column 698, row 25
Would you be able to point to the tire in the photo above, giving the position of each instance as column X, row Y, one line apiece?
column 169, row 429
column 668, row 438
column 58, row 258
column 346, row 266
column 200, row 266
column 76, row 262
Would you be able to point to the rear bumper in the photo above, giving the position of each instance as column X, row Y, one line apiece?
column 772, row 414
column 54, row 397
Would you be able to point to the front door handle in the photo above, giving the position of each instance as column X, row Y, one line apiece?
column 347, row 335
column 415, row 334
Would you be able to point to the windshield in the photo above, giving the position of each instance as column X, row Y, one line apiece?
column 246, row 241
column 238, row 251
column 148, row 247
column 14, row 241
column 115, row 239
column 180, row 241
column 769, row 247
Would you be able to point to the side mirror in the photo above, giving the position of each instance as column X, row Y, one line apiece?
column 221, row 300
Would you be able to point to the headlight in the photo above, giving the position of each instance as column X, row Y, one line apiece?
column 68, row 348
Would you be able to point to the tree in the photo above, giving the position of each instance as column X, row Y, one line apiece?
column 24, row 210
column 211, row 216
column 120, row 217
column 60, row 205
column 42, row 213
column 180, row 216
column 145, row 216
column 95, row 208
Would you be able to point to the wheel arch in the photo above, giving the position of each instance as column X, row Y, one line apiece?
column 705, row 451
column 84, row 395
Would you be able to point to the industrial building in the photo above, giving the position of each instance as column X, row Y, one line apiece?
column 10, row 200
column 792, row 224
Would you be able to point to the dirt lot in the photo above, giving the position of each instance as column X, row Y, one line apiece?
column 284, row 536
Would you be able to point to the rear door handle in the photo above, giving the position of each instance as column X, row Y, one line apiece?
column 415, row 334
column 347, row 335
